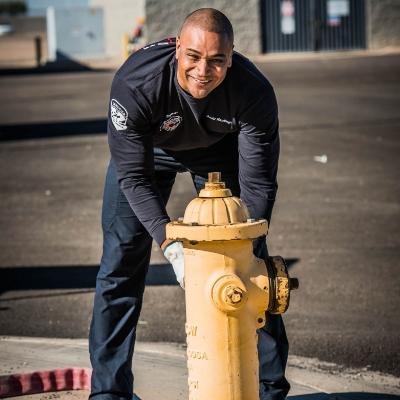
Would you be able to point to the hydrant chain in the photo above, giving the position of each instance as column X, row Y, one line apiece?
column 272, row 283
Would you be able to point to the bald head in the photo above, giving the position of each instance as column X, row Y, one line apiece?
column 210, row 20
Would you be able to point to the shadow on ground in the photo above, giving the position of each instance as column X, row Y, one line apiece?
column 345, row 396
column 62, row 65
column 76, row 277
column 52, row 129
column 70, row 277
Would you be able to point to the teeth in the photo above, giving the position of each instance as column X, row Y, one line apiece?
column 198, row 80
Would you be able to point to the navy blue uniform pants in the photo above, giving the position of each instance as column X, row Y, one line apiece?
column 121, row 281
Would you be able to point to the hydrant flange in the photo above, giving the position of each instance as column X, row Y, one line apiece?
column 204, row 233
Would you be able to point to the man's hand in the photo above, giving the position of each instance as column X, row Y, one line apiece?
column 173, row 252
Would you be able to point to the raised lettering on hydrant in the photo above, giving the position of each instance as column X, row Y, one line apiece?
column 228, row 290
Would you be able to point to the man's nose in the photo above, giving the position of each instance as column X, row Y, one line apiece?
column 202, row 68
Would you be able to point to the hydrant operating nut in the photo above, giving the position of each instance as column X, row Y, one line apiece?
column 228, row 293
column 234, row 294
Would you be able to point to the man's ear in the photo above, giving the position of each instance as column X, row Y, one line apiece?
column 177, row 47
column 230, row 58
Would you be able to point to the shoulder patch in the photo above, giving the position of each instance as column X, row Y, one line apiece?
column 119, row 115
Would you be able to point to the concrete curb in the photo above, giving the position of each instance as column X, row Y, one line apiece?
column 115, row 62
column 325, row 55
column 329, row 377
column 167, row 361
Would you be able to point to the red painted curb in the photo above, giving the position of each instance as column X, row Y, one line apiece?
column 45, row 381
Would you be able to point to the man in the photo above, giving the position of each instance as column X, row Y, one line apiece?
column 189, row 104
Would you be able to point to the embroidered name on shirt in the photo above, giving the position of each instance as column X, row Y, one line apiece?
column 224, row 121
column 172, row 122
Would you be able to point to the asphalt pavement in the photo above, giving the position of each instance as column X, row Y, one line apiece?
column 336, row 218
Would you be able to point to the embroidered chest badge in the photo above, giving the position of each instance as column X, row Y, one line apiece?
column 119, row 115
column 171, row 123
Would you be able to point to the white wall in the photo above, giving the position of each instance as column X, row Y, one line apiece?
column 38, row 7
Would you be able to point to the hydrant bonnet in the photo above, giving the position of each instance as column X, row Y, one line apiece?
column 216, row 215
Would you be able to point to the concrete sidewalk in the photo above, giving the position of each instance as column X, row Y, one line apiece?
column 166, row 363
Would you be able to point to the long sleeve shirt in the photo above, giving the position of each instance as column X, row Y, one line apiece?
column 149, row 109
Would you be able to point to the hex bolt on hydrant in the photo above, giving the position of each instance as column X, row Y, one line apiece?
column 227, row 292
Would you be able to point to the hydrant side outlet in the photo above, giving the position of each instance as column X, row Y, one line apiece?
column 228, row 292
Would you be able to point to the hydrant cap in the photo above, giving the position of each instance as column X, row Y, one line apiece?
column 215, row 205
column 216, row 215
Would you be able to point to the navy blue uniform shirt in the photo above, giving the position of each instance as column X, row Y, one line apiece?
column 149, row 109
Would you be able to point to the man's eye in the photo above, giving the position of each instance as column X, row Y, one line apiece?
column 193, row 57
column 217, row 61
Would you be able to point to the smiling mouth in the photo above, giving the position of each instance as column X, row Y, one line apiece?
column 201, row 81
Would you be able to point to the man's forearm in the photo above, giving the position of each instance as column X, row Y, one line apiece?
column 148, row 207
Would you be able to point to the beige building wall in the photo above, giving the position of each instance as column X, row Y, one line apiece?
column 120, row 16
column 164, row 18
column 383, row 23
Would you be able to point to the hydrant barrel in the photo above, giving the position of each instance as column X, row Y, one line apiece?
column 227, row 292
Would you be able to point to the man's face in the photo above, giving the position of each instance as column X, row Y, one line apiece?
column 203, row 60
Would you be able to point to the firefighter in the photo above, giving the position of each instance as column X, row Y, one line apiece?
column 185, row 104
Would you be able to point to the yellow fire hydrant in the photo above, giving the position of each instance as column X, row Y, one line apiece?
column 227, row 292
